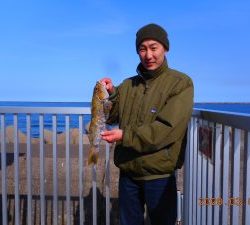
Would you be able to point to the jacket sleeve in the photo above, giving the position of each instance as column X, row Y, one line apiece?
column 169, row 125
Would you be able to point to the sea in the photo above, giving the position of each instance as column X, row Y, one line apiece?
column 22, row 123
column 74, row 123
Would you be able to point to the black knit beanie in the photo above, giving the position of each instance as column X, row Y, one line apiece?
column 152, row 31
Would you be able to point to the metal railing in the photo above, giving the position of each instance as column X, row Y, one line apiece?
column 22, row 185
column 217, row 183
column 217, row 169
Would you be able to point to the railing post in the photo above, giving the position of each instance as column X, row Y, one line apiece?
column 236, row 177
column 198, row 182
column 16, row 163
column 3, row 170
column 225, row 177
column 94, row 195
column 247, row 188
column 42, row 177
column 107, row 183
column 187, row 174
column 55, row 186
column 29, row 170
column 81, row 180
column 204, row 178
column 179, row 211
column 68, row 170
column 210, row 179
column 217, row 172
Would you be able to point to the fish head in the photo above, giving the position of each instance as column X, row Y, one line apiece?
column 100, row 91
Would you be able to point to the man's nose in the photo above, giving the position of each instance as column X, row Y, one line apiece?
column 148, row 54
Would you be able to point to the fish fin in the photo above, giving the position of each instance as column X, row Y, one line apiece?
column 93, row 155
column 90, row 138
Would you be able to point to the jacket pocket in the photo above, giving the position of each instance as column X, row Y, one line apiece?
column 157, row 163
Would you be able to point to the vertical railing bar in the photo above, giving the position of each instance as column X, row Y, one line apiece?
column 29, row 169
column 182, row 209
column 55, row 189
column 178, row 220
column 210, row 181
column 187, row 171
column 188, row 175
column 217, row 170
column 204, row 183
column 81, row 194
column 3, row 169
column 107, row 183
column 199, row 185
column 68, row 167
column 247, row 188
column 41, row 159
column 94, row 193
column 236, row 176
column 16, row 163
column 194, row 166
column 225, row 177
column 191, row 177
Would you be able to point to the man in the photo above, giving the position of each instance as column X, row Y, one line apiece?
column 152, row 109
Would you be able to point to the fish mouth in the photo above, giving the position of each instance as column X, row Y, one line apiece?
column 99, row 82
column 102, row 84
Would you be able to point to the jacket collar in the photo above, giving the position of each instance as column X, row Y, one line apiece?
column 151, row 74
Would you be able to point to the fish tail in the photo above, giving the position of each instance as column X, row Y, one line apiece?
column 93, row 155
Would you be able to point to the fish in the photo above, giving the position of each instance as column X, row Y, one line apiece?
column 100, row 109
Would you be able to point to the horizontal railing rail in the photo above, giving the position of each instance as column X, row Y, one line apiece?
column 236, row 120
column 43, row 110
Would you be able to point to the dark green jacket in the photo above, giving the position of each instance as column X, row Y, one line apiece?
column 153, row 110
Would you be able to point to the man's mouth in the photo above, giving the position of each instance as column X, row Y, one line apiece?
column 149, row 63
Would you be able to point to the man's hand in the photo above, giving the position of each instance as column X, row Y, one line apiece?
column 112, row 135
column 108, row 84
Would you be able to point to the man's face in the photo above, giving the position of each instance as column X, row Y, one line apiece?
column 151, row 54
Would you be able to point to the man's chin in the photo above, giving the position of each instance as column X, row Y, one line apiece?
column 152, row 67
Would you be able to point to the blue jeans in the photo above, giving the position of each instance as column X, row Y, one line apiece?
column 159, row 195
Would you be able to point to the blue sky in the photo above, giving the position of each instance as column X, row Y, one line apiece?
column 56, row 50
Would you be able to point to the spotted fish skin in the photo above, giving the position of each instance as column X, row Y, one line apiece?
column 99, row 114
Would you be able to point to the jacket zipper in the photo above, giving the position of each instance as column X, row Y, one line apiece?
column 145, row 83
